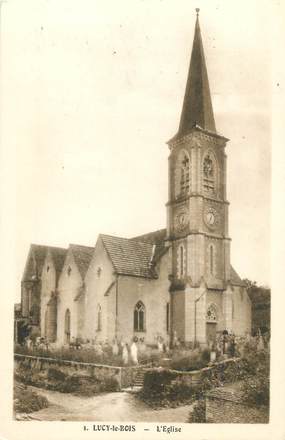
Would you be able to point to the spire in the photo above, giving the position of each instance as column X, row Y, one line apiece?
column 197, row 106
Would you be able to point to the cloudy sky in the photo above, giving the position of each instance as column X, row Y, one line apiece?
column 92, row 90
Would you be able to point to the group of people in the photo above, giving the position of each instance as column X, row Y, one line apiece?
column 228, row 344
column 36, row 343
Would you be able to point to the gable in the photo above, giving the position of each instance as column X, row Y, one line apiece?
column 82, row 257
column 35, row 262
column 74, row 274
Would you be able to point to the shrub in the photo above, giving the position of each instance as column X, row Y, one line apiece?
column 161, row 389
column 188, row 363
column 54, row 374
column 198, row 415
column 205, row 355
column 256, row 387
column 256, row 391
column 155, row 381
column 28, row 401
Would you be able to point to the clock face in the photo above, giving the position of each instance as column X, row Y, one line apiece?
column 181, row 219
column 211, row 217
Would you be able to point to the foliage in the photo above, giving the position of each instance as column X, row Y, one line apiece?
column 156, row 380
column 68, row 354
column 256, row 387
column 54, row 374
column 56, row 380
column 162, row 390
column 28, row 401
column 256, row 390
column 198, row 415
column 193, row 361
column 90, row 355
column 205, row 355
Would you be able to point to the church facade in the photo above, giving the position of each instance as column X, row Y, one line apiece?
column 175, row 282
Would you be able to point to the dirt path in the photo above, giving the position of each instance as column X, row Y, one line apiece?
column 122, row 406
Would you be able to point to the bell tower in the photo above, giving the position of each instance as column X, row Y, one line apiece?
column 197, row 208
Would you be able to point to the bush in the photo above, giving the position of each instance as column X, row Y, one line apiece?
column 256, row 387
column 256, row 391
column 28, row 401
column 160, row 389
column 155, row 381
column 205, row 355
column 54, row 374
column 193, row 361
column 198, row 415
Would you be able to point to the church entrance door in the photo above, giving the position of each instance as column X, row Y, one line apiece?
column 211, row 331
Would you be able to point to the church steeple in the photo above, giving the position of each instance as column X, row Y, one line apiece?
column 197, row 106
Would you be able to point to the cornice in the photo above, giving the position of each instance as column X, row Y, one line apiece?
column 195, row 232
column 203, row 134
column 185, row 198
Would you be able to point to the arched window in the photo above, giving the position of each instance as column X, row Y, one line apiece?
column 181, row 261
column 67, row 326
column 99, row 318
column 209, row 174
column 212, row 259
column 212, row 315
column 139, row 317
column 182, row 174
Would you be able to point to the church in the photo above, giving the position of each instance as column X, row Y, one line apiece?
column 177, row 282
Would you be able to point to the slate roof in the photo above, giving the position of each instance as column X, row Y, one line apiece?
column 35, row 261
column 82, row 257
column 197, row 105
column 155, row 238
column 129, row 257
column 36, row 258
column 152, row 237
column 235, row 278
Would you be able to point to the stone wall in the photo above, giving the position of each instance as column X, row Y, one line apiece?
column 98, row 279
column 48, row 286
column 154, row 294
column 69, row 285
column 100, row 372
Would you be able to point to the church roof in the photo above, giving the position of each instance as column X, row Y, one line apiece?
column 197, row 107
column 235, row 278
column 36, row 258
column 129, row 257
column 82, row 257
column 155, row 238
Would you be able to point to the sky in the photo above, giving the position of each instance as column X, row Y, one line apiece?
column 92, row 91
